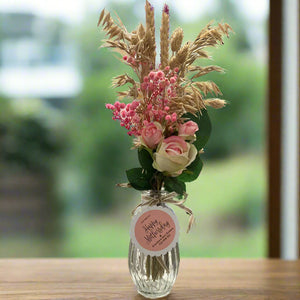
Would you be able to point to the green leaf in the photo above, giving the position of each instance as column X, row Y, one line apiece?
column 193, row 170
column 172, row 184
column 139, row 178
column 204, row 124
column 145, row 159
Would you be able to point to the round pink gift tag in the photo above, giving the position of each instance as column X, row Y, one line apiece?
column 154, row 230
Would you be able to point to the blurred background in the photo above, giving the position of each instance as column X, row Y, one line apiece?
column 61, row 154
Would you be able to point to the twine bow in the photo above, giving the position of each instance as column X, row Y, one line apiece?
column 157, row 198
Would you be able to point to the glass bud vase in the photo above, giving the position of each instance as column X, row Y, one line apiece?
column 153, row 276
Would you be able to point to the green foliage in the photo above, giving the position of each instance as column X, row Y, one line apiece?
column 145, row 159
column 193, row 170
column 173, row 184
column 139, row 178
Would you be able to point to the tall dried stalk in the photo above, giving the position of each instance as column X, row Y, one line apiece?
column 150, row 27
column 164, row 37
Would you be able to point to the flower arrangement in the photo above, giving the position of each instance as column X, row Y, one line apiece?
column 168, row 118
column 167, row 115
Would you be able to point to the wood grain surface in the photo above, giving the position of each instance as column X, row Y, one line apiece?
column 110, row 279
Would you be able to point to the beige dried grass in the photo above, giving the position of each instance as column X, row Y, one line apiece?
column 176, row 39
column 179, row 59
column 215, row 103
column 140, row 45
column 164, row 40
column 150, row 26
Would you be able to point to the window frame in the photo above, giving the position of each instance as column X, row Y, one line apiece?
column 274, row 127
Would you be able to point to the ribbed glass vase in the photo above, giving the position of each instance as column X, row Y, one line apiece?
column 153, row 276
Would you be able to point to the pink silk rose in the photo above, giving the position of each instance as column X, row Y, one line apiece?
column 173, row 155
column 152, row 134
column 187, row 130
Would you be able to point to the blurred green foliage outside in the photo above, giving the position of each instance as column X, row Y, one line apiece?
column 228, row 199
column 29, row 134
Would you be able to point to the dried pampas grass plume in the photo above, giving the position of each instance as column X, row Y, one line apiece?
column 215, row 103
column 176, row 39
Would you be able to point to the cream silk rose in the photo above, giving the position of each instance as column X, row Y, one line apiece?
column 187, row 130
column 151, row 135
column 173, row 155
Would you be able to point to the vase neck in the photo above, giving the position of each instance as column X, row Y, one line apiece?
column 153, row 194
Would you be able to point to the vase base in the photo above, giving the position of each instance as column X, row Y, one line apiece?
column 154, row 295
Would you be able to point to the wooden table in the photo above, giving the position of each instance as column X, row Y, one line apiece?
column 109, row 279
